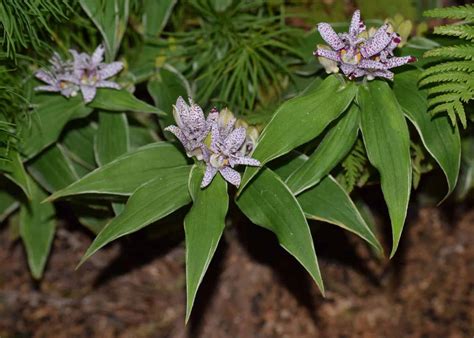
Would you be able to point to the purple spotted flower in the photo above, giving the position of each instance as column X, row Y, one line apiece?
column 85, row 73
column 90, row 73
column 224, row 154
column 359, row 55
column 192, row 127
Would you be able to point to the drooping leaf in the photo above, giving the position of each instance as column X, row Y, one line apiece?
column 112, row 138
column 52, row 169
column 48, row 120
column 121, row 101
column 167, row 192
column 286, row 165
column 37, row 227
column 110, row 18
column 387, row 141
column 333, row 148
column 301, row 119
column 78, row 144
column 8, row 204
column 17, row 173
column 329, row 202
column 155, row 16
column 125, row 174
column 439, row 137
column 268, row 202
column 203, row 228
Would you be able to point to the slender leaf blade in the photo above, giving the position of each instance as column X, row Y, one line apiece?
column 112, row 138
column 121, row 101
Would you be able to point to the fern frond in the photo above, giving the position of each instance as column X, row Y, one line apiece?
column 445, row 98
column 354, row 166
column 456, row 52
column 457, row 77
column 451, row 108
column 460, row 12
column 447, row 88
column 460, row 31
column 460, row 66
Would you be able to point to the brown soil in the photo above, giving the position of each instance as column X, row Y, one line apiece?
column 135, row 288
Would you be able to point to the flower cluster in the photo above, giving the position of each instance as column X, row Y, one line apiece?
column 85, row 73
column 359, row 53
column 214, row 140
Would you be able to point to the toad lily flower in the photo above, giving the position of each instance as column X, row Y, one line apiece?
column 358, row 54
column 192, row 127
column 85, row 73
column 91, row 73
column 223, row 154
column 56, row 77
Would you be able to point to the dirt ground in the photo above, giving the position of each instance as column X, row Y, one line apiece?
column 135, row 287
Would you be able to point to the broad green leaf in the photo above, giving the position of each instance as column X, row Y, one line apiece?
column 167, row 192
column 8, row 204
column 52, row 169
column 387, row 141
column 165, row 87
column 121, row 101
column 155, row 16
column 37, row 226
column 144, row 61
column 439, row 137
column 17, row 173
column 288, row 164
column 329, row 202
column 125, row 174
column 268, row 202
column 301, row 119
column 112, row 138
column 78, row 144
column 203, row 227
column 110, row 18
column 48, row 120
column 140, row 136
column 332, row 149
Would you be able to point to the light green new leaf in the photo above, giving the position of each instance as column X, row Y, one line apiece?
column 17, row 173
column 332, row 149
column 110, row 18
column 301, row 119
column 165, row 87
column 439, row 136
column 37, row 226
column 155, row 16
column 387, row 141
column 149, row 203
column 268, row 202
column 112, row 138
column 125, row 174
column 203, row 228
column 48, row 120
column 52, row 169
column 121, row 101
column 329, row 202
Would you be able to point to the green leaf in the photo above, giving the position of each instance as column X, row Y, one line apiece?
column 387, row 141
column 268, row 202
column 8, row 204
column 110, row 17
column 165, row 87
column 17, row 173
column 37, row 226
column 152, row 201
column 78, row 144
column 203, row 228
column 439, row 137
column 332, row 149
column 288, row 164
column 125, row 174
column 48, row 120
column 112, row 138
column 121, row 101
column 52, row 169
column 301, row 119
column 140, row 136
column 155, row 16
column 329, row 202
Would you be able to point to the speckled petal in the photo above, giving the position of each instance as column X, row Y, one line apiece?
column 45, row 77
column 381, row 73
column 208, row 176
column 357, row 25
column 88, row 93
column 399, row 61
column 178, row 133
column 107, row 84
column 234, row 141
column 347, row 69
column 230, row 175
column 377, row 43
column 47, row 88
column 193, row 117
column 244, row 160
column 328, row 54
column 110, row 70
column 330, row 36
column 372, row 64
column 98, row 55
column 215, row 137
